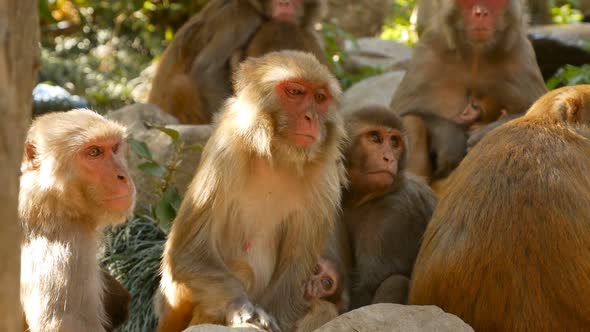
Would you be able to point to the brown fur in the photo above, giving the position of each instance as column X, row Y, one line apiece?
column 385, row 224
column 193, row 75
column 62, row 215
column 507, row 247
column 446, row 69
column 253, row 222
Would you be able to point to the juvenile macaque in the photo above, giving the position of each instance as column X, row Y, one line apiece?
column 74, row 182
column 264, row 199
column 385, row 210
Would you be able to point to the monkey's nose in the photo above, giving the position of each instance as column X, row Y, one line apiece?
column 121, row 177
column 480, row 11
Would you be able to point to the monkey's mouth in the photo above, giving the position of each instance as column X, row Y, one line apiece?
column 302, row 140
column 382, row 172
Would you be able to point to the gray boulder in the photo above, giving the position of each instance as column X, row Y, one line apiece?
column 389, row 317
column 376, row 90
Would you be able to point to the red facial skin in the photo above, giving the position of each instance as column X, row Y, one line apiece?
column 381, row 151
column 100, row 165
column 304, row 103
column 323, row 282
column 480, row 17
column 285, row 10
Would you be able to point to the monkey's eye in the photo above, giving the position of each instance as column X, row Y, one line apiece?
column 395, row 141
column 375, row 137
column 327, row 283
column 115, row 148
column 319, row 98
column 94, row 151
column 294, row 91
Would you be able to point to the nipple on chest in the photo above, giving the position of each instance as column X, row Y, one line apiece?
column 247, row 246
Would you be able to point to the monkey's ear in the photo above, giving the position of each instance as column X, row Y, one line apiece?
column 571, row 110
column 30, row 162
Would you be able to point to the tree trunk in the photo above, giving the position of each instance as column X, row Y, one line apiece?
column 19, row 61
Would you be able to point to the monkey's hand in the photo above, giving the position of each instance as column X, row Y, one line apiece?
column 243, row 313
column 323, row 282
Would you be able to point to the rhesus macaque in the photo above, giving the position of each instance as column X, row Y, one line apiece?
column 476, row 47
column 74, row 182
column 193, row 76
column 507, row 247
column 265, row 196
column 385, row 210
column 116, row 301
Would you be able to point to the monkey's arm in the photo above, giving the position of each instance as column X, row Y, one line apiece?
column 235, row 24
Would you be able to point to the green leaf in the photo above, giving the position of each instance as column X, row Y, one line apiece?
column 152, row 168
column 168, row 207
column 170, row 132
column 140, row 148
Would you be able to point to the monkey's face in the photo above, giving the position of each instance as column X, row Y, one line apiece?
column 100, row 168
column 373, row 161
column 304, row 111
column 286, row 10
column 482, row 20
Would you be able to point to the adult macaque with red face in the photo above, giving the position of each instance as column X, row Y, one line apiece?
column 193, row 76
column 385, row 210
column 74, row 182
column 472, row 48
column 263, row 201
column 507, row 247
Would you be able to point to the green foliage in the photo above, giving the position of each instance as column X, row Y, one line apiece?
column 169, row 202
column 570, row 75
column 94, row 47
column 334, row 38
column 132, row 254
column 401, row 25
column 566, row 14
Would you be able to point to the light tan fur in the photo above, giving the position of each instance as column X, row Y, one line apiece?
column 61, row 284
column 256, row 215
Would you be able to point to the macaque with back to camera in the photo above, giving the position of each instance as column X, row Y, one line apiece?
column 507, row 247
column 242, row 247
column 472, row 47
column 385, row 209
column 74, row 182
column 193, row 75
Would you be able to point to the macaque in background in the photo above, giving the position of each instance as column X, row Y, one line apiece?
column 193, row 76
column 265, row 197
column 74, row 182
column 475, row 48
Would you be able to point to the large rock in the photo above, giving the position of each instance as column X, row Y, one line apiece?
column 161, row 146
column 396, row 318
column 219, row 328
column 573, row 34
column 377, row 90
column 360, row 18
column 385, row 54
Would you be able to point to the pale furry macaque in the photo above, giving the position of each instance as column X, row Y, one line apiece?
column 74, row 182
column 265, row 196
column 193, row 75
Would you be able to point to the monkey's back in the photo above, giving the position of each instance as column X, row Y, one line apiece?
column 508, row 247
